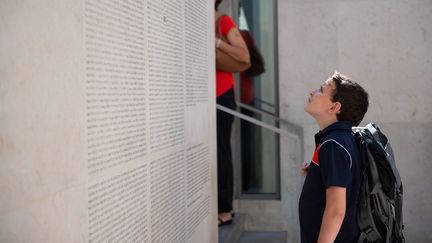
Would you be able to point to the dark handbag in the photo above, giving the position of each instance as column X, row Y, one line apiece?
column 256, row 59
column 225, row 62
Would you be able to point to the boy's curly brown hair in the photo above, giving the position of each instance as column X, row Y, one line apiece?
column 353, row 98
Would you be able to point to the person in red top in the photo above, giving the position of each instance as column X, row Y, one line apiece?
column 230, row 43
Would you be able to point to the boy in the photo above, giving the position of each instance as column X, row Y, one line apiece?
column 327, row 207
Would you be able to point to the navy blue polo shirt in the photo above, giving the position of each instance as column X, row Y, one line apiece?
column 336, row 162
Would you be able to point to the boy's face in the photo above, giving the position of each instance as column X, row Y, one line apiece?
column 320, row 100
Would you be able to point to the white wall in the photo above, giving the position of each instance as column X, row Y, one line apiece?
column 386, row 46
column 107, row 129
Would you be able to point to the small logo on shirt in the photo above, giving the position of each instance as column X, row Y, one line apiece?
column 315, row 159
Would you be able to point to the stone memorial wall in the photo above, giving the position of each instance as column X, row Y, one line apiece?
column 107, row 129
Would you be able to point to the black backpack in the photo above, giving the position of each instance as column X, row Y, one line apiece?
column 379, row 209
column 256, row 59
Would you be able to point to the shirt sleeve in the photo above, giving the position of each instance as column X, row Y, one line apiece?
column 226, row 25
column 335, row 165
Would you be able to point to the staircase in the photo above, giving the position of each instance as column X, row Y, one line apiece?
column 235, row 233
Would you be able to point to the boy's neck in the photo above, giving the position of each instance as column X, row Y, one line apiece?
column 323, row 123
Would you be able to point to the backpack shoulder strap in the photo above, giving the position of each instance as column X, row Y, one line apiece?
column 374, row 130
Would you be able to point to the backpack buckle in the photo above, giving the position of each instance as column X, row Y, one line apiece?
column 393, row 211
column 368, row 230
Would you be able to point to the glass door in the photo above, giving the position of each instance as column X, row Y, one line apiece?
column 259, row 147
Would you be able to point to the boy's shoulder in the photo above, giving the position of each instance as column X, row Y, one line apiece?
column 338, row 137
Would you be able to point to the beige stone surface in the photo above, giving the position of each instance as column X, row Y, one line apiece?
column 44, row 179
column 386, row 46
column 42, row 150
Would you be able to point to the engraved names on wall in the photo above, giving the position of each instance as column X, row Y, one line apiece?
column 147, row 65
column 117, row 208
column 167, row 203
column 115, row 76
column 196, row 52
column 166, row 74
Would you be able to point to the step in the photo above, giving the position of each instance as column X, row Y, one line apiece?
column 263, row 237
column 231, row 233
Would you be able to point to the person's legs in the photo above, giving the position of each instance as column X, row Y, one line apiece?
column 224, row 161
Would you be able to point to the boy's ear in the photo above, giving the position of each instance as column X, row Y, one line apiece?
column 336, row 108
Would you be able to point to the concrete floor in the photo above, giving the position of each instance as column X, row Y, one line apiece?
column 235, row 233
column 263, row 237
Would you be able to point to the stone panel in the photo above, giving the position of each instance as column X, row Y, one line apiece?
column 100, row 102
